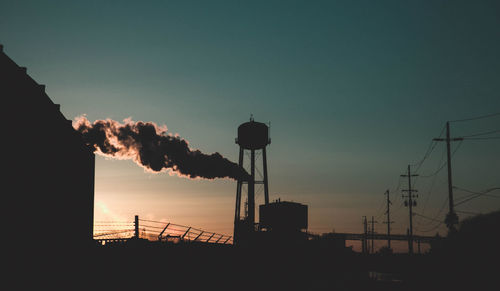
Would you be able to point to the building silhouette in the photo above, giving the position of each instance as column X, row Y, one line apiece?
column 49, row 183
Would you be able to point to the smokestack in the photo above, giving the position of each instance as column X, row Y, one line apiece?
column 149, row 145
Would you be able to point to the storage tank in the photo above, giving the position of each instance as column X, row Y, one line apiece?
column 253, row 135
column 283, row 215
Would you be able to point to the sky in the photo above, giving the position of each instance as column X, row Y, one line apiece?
column 355, row 92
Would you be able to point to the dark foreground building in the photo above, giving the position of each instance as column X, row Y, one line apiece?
column 48, row 189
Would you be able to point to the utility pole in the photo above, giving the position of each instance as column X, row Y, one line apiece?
column 410, row 203
column 451, row 219
column 373, row 232
column 136, row 226
column 365, row 231
column 388, row 222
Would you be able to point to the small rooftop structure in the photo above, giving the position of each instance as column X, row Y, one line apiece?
column 283, row 216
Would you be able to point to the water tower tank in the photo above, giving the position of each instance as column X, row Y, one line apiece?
column 253, row 135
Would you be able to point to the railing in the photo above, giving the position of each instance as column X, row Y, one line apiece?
column 113, row 230
column 162, row 231
column 120, row 231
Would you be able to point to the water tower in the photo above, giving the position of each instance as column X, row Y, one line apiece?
column 252, row 137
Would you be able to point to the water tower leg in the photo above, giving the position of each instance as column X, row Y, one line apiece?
column 238, row 191
column 266, row 185
column 251, row 191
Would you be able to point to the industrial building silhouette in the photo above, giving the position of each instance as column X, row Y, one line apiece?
column 50, row 171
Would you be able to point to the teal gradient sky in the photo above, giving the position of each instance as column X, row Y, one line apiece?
column 354, row 90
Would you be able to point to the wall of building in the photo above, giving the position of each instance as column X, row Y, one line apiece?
column 49, row 171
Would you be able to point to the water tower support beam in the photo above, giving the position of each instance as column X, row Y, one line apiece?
column 251, row 190
column 238, row 190
column 266, row 186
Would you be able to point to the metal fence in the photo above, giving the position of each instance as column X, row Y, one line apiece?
column 156, row 231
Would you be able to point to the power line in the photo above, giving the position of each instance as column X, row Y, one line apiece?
column 439, row 212
column 432, row 145
column 427, row 217
column 475, row 118
column 429, row 192
column 467, row 212
column 432, row 229
column 419, row 222
column 397, row 211
column 429, row 150
column 444, row 164
column 476, row 194
column 482, row 138
column 380, row 210
column 482, row 133
column 434, row 219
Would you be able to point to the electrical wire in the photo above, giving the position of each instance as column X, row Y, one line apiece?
column 482, row 133
column 467, row 212
column 444, row 164
column 379, row 209
column 427, row 217
column 436, row 216
column 476, row 194
column 429, row 150
column 432, row 229
column 476, row 118
column 481, row 138
column 433, row 182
